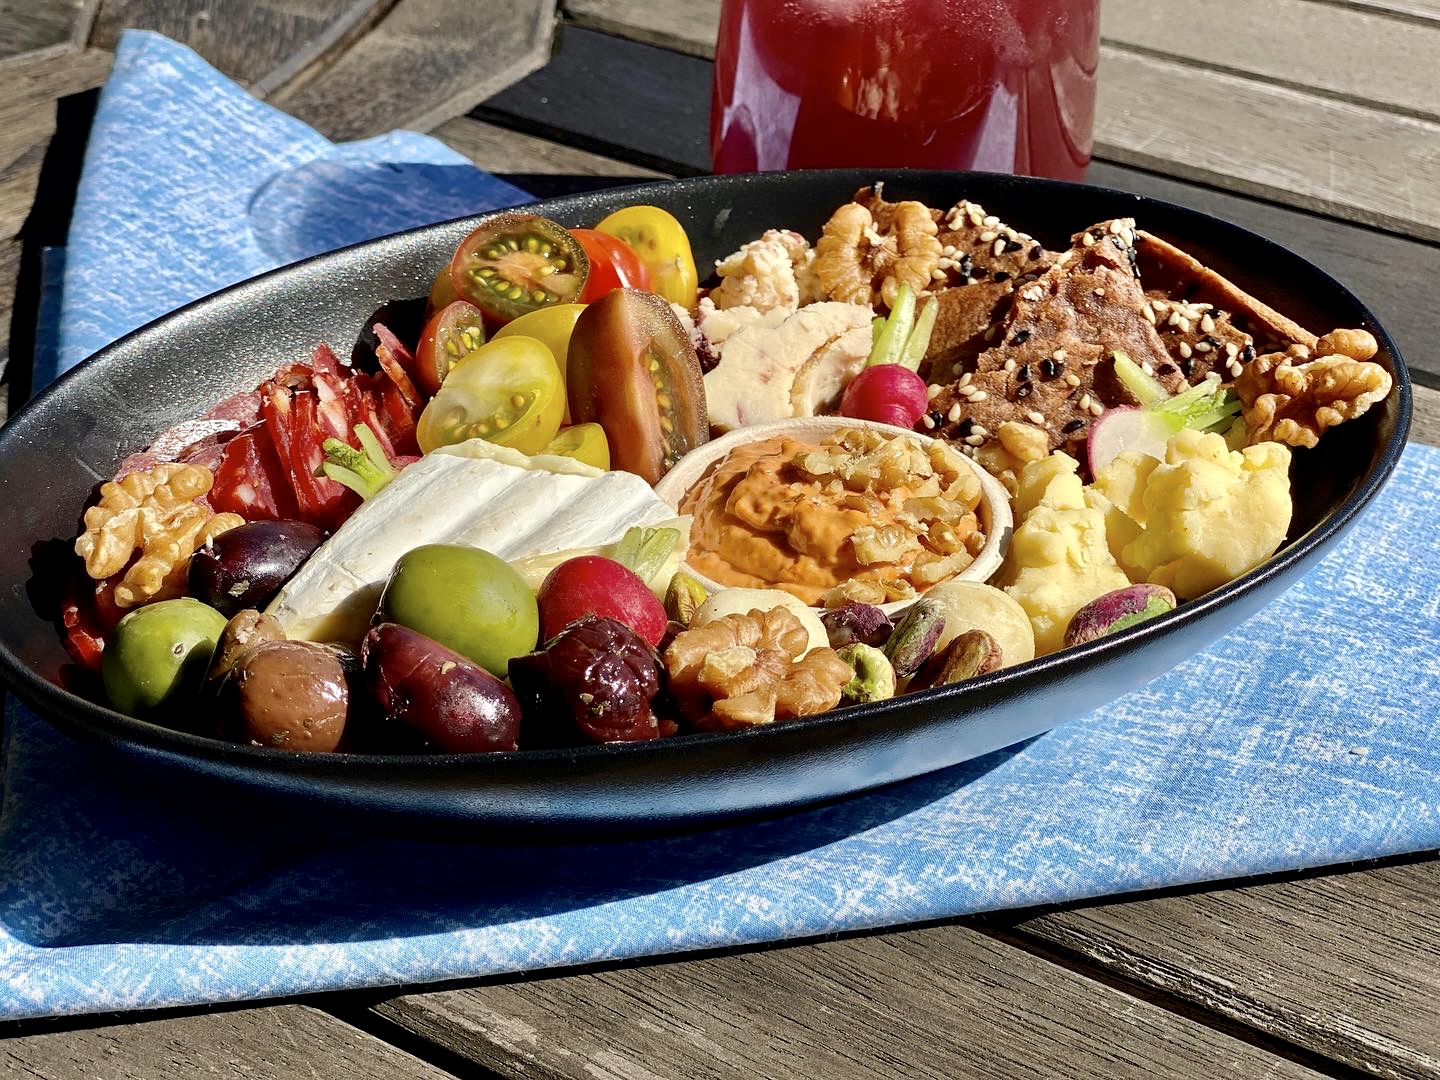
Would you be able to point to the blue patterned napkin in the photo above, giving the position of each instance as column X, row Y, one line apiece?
column 1305, row 738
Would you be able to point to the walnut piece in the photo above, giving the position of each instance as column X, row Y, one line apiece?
column 1294, row 403
column 153, row 510
column 857, row 263
column 751, row 669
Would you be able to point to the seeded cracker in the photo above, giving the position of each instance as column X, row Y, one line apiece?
column 1053, row 353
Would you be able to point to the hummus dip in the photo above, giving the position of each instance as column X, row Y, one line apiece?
column 858, row 515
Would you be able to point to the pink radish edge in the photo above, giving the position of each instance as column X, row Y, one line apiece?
column 1127, row 427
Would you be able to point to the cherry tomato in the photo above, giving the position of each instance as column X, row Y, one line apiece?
column 888, row 393
column 442, row 292
column 452, row 333
column 662, row 245
column 551, row 325
column 508, row 391
column 515, row 263
column 634, row 371
column 613, row 264
column 584, row 442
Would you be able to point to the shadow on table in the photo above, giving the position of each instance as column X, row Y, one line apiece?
column 85, row 860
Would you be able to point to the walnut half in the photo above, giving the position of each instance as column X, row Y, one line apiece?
column 746, row 670
column 155, row 511
column 1295, row 403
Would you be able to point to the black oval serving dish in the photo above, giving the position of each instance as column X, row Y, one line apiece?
column 55, row 450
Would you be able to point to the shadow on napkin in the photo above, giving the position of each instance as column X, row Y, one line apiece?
column 235, row 869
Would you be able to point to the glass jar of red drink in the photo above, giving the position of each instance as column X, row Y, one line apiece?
column 998, row 85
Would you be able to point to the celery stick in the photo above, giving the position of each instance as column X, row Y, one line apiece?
column 364, row 471
column 1147, row 389
column 897, row 328
column 919, row 339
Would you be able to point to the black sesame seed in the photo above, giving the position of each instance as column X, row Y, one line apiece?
column 1213, row 342
column 1166, row 369
column 1050, row 367
column 979, row 272
column 1023, row 390
column 1035, row 252
column 1073, row 425
column 937, row 416
column 1013, row 245
column 1002, row 275
column 1023, row 373
column 966, row 265
column 963, row 427
column 1247, row 354
column 1187, row 366
column 1021, row 336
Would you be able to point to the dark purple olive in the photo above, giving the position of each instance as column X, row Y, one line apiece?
column 449, row 702
column 291, row 695
column 595, row 681
column 245, row 566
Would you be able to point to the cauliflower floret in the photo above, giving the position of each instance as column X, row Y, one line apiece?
column 1211, row 513
column 1122, row 482
column 773, row 272
column 1059, row 558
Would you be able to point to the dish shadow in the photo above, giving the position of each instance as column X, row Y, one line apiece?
column 236, row 871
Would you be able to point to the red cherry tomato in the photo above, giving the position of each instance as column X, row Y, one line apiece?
column 514, row 263
column 614, row 264
column 595, row 585
column 453, row 333
column 888, row 393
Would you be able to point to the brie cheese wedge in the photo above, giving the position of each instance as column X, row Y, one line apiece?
column 477, row 494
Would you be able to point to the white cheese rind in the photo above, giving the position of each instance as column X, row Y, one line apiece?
column 492, row 502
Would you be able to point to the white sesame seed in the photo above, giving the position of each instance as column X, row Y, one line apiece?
column 979, row 395
column 1117, row 226
column 1033, row 292
column 1128, row 236
column 1071, row 379
column 981, row 430
column 1099, row 292
column 1149, row 314
column 1207, row 324
column 1096, row 408
column 966, row 391
column 954, row 414
column 988, row 235
column 1202, row 346
column 1088, row 240
column 1059, row 354
column 1035, row 417
column 1233, row 366
column 969, row 281
column 1184, row 326
column 937, row 274
column 928, row 421
column 975, row 440
column 965, row 379
column 949, row 249
column 991, row 219
column 1231, row 349
column 999, row 248
column 1010, row 365
column 1160, row 305
column 1084, row 401
column 1174, row 319
column 932, row 391
column 1185, row 349
column 1146, row 367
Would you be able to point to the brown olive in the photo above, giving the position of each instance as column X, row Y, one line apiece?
column 291, row 695
column 245, row 631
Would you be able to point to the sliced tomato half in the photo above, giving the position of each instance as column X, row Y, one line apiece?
column 614, row 264
column 661, row 242
column 514, row 263
column 452, row 333
column 633, row 370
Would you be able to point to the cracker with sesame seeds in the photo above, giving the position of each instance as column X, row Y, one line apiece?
column 1053, row 355
column 1178, row 276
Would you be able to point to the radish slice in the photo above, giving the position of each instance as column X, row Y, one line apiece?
column 1129, row 428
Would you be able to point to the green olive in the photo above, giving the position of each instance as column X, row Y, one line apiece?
column 467, row 599
column 158, row 654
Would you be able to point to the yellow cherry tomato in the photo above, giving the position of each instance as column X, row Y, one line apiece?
column 551, row 325
column 508, row 391
column 661, row 243
column 583, row 442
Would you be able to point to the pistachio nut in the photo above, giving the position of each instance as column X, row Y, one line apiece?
column 973, row 653
column 914, row 637
column 874, row 674
column 683, row 597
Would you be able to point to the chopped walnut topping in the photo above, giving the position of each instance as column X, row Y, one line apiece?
column 155, row 511
column 857, row 263
column 1294, row 403
column 746, row 670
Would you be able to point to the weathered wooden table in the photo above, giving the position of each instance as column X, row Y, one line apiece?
column 1315, row 122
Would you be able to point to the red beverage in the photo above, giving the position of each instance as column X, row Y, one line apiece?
column 999, row 85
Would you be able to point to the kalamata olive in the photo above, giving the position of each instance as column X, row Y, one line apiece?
column 291, row 695
column 467, row 599
column 157, row 656
column 595, row 681
column 453, row 704
column 246, row 630
column 244, row 567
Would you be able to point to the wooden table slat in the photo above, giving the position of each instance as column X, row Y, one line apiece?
column 941, row 1002
column 425, row 62
column 276, row 1041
